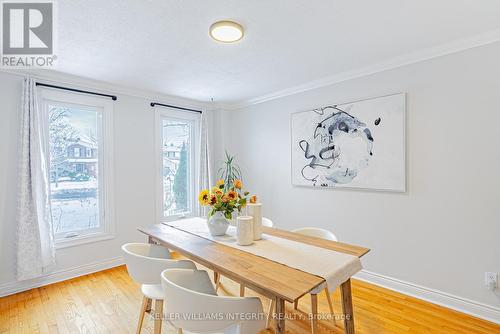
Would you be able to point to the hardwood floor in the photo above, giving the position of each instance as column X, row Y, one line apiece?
column 109, row 302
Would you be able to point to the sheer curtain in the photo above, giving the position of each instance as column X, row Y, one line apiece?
column 34, row 239
column 205, row 170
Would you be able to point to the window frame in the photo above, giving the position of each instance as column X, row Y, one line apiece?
column 105, row 179
column 166, row 113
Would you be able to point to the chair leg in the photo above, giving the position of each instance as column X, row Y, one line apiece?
column 270, row 313
column 216, row 281
column 158, row 315
column 242, row 290
column 330, row 305
column 141, row 314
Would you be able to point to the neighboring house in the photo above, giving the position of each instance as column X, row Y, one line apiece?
column 171, row 160
column 169, row 170
column 171, row 151
column 169, row 167
column 171, row 157
column 82, row 157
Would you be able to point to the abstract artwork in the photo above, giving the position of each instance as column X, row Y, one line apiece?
column 355, row 145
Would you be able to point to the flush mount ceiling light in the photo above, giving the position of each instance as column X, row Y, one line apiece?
column 226, row 31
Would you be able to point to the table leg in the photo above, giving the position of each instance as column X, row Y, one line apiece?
column 346, row 295
column 314, row 313
column 242, row 290
column 280, row 316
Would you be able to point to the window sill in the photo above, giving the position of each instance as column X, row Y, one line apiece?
column 83, row 239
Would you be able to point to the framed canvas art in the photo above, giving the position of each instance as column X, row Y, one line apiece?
column 356, row 145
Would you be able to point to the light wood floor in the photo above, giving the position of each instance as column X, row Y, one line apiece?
column 109, row 302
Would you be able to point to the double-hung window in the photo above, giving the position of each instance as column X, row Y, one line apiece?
column 80, row 182
column 177, row 134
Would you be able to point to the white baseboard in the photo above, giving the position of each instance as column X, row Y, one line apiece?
column 10, row 288
column 483, row 311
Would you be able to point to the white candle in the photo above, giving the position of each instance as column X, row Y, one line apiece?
column 255, row 210
column 244, row 230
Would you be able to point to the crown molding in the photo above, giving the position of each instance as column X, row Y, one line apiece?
column 407, row 59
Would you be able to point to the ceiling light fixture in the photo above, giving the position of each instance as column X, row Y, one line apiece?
column 226, row 31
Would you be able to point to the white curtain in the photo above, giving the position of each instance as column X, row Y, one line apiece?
column 205, row 172
column 34, row 242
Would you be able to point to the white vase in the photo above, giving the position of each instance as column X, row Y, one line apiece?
column 255, row 210
column 217, row 224
column 244, row 230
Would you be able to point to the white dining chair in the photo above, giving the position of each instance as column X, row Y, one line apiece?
column 316, row 232
column 145, row 262
column 322, row 234
column 188, row 292
column 267, row 222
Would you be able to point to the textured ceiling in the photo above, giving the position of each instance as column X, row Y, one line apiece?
column 163, row 45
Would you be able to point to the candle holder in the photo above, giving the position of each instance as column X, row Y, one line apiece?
column 244, row 230
column 255, row 210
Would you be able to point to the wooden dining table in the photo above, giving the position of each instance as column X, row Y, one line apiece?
column 271, row 279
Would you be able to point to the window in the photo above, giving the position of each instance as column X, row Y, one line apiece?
column 80, row 202
column 177, row 134
column 78, row 168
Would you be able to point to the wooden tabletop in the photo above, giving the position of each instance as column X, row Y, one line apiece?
column 260, row 274
column 318, row 242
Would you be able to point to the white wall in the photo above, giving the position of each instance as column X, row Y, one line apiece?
column 134, row 173
column 444, row 232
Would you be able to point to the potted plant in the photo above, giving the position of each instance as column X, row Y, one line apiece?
column 222, row 201
column 230, row 171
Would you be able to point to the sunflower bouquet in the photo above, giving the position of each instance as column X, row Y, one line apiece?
column 224, row 198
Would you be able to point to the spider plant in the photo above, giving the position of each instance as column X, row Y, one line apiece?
column 229, row 172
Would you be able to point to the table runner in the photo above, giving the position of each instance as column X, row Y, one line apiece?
column 335, row 267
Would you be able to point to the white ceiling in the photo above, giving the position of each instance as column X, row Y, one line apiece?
column 163, row 45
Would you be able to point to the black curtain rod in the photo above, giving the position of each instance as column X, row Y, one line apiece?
column 175, row 107
column 113, row 97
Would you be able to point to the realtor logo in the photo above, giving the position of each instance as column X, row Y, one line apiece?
column 27, row 29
